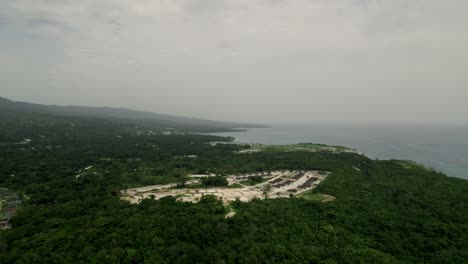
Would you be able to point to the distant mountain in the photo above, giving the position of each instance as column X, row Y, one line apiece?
column 120, row 113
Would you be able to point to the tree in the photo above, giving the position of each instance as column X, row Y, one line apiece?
column 215, row 181
column 180, row 176
column 266, row 189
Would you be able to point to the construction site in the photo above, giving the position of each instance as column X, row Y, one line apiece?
column 243, row 187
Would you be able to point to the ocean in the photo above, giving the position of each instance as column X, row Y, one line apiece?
column 443, row 148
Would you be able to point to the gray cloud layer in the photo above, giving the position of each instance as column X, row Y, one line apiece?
column 353, row 61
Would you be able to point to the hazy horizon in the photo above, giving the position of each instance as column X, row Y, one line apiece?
column 303, row 123
column 271, row 62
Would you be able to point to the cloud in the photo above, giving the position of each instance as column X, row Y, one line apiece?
column 372, row 60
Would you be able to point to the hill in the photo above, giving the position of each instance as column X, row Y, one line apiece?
column 70, row 172
column 161, row 120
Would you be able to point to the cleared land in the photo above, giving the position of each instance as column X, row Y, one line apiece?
column 276, row 184
column 309, row 147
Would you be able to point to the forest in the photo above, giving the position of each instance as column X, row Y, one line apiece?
column 386, row 211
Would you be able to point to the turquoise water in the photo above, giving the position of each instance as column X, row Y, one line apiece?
column 444, row 148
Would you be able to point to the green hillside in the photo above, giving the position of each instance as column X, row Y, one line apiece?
column 384, row 211
column 134, row 117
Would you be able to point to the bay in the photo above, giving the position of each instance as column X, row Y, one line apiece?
column 443, row 148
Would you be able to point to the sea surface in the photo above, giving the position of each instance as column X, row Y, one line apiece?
column 444, row 148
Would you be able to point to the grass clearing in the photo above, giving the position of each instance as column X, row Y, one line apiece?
column 312, row 147
column 409, row 164
column 316, row 197
column 235, row 185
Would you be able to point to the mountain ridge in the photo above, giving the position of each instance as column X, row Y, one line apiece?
column 114, row 112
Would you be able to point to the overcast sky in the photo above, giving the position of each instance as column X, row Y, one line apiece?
column 325, row 61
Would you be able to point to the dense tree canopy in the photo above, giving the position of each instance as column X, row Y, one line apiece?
column 385, row 211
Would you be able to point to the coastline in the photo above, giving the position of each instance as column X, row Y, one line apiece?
column 442, row 148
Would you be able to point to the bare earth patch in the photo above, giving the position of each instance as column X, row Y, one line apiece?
column 277, row 184
column 328, row 198
column 230, row 214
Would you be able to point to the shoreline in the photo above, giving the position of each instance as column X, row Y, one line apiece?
column 428, row 146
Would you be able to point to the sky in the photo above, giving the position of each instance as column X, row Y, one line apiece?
column 267, row 61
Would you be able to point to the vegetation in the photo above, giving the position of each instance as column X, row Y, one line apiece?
column 312, row 196
column 385, row 211
column 214, row 181
column 310, row 147
column 122, row 115
column 235, row 185
column 253, row 180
